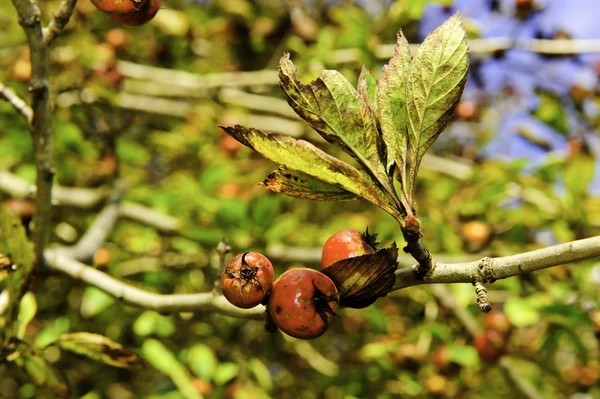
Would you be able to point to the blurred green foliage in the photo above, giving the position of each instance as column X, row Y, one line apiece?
column 185, row 167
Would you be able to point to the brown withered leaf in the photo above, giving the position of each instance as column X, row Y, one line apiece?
column 363, row 279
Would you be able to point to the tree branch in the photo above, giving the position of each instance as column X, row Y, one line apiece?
column 17, row 102
column 62, row 15
column 60, row 259
column 41, row 122
column 488, row 270
column 99, row 231
column 61, row 196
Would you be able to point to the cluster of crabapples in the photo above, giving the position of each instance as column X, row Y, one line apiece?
column 302, row 302
column 129, row 12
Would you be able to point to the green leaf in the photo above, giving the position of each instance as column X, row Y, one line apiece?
column 334, row 108
column 95, row 301
column 226, row 372
column 202, row 361
column 302, row 156
column 261, row 373
column 16, row 263
column 521, row 312
column 99, row 348
column 27, row 311
column 464, row 355
column 436, row 80
column 363, row 279
column 164, row 361
column 44, row 374
column 391, row 100
column 578, row 175
column 301, row 185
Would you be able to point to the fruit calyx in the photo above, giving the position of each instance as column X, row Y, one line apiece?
column 321, row 304
column 371, row 239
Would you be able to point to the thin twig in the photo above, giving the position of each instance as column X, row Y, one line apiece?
column 519, row 383
column 96, row 235
column 60, row 259
column 17, row 102
column 150, row 217
column 61, row 18
column 446, row 298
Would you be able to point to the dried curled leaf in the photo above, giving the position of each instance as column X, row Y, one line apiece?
column 363, row 279
column 301, row 185
column 100, row 348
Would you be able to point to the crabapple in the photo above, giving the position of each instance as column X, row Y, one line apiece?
column 247, row 279
column 303, row 302
column 346, row 244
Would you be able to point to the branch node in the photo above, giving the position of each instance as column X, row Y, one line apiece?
column 30, row 20
column 486, row 269
column 482, row 298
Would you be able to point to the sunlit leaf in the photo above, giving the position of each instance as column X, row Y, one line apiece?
column 464, row 355
column 27, row 311
column 302, row 156
column 100, row 348
column 521, row 312
column 301, row 185
column 363, row 279
column 44, row 374
column 202, row 361
column 391, row 100
column 436, row 80
column 226, row 372
column 578, row 175
column 261, row 373
column 334, row 108
column 164, row 361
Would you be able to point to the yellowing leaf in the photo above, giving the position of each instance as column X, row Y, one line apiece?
column 100, row 348
column 301, row 185
column 302, row 156
column 391, row 100
column 334, row 108
column 436, row 80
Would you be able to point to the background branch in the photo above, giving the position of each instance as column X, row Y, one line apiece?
column 61, row 18
column 60, row 259
column 61, row 196
column 99, row 231
column 17, row 102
